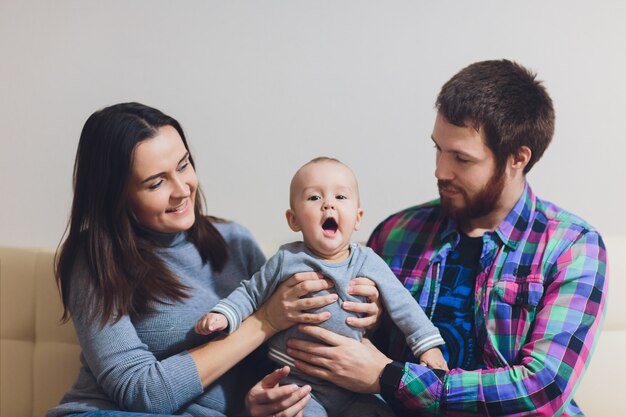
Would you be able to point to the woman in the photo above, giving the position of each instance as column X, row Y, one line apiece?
column 141, row 264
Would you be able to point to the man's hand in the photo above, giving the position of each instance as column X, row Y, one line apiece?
column 341, row 360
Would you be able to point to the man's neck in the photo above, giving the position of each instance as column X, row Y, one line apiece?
column 490, row 222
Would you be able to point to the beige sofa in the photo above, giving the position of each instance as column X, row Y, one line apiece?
column 39, row 357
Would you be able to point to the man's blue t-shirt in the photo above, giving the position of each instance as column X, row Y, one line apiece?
column 454, row 312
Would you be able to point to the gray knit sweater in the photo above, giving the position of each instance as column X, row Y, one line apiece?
column 398, row 303
column 142, row 363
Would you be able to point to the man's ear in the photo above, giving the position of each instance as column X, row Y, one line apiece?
column 359, row 215
column 520, row 159
column 292, row 221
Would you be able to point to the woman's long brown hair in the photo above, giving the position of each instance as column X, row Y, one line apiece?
column 125, row 276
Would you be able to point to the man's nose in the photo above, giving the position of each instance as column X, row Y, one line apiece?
column 442, row 169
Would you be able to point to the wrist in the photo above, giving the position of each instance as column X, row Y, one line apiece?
column 390, row 378
column 267, row 327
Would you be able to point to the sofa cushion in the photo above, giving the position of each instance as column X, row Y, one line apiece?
column 600, row 388
column 39, row 356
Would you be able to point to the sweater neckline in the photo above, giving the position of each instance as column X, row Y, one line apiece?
column 162, row 239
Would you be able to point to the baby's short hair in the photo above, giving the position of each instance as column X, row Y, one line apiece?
column 314, row 161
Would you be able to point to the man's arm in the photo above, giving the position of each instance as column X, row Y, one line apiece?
column 550, row 363
column 565, row 330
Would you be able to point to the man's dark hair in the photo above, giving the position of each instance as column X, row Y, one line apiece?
column 506, row 100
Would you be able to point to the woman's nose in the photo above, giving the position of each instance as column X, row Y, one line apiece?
column 181, row 189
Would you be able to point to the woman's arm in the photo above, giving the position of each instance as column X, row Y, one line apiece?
column 282, row 310
column 135, row 380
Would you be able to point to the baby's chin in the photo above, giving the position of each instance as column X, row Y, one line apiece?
column 332, row 254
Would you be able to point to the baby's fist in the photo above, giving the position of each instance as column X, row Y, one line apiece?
column 211, row 323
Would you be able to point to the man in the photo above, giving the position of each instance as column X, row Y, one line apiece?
column 515, row 284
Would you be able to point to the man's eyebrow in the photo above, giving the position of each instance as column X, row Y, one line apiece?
column 155, row 176
column 456, row 151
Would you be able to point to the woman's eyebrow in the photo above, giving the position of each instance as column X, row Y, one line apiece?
column 152, row 177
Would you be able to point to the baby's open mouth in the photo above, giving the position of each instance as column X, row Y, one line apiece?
column 330, row 224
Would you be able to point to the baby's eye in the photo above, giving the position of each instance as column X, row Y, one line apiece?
column 341, row 197
column 314, row 198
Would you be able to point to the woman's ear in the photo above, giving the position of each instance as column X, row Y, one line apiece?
column 292, row 221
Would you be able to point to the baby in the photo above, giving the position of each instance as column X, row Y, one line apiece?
column 325, row 207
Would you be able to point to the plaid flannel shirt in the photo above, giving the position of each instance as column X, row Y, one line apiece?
column 540, row 300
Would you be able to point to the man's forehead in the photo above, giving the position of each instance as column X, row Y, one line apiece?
column 450, row 137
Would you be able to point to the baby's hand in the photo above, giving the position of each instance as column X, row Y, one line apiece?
column 433, row 358
column 210, row 323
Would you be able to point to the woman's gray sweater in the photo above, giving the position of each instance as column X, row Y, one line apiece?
column 142, row 363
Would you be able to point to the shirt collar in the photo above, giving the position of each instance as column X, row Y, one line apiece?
column 450, row 230
column 511, row 230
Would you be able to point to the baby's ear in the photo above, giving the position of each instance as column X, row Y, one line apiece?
column 359, row 215
column 292, row 221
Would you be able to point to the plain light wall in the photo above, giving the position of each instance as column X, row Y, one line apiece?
column 261, row 87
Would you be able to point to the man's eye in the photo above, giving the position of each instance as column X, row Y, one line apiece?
column 462, row 160
column 314, row 198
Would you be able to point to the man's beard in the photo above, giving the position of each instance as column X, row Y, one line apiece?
column 481, row 204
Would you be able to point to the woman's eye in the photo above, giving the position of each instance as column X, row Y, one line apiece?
column 183, row 166
column 156, row 185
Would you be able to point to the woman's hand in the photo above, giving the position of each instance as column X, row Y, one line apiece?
column 280, row 311
column 371, row 312
column 341, row 360
column 266, row 398
column 286, row 307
